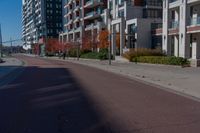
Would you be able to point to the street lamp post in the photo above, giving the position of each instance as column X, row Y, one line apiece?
column 110, row 38
column 11, row 50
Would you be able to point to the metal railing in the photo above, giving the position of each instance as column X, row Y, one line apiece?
column 174, row 24
column 195, row 21
column 171, row 1
column 92, row 1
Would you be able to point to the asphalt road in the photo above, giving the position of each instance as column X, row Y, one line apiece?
column 47, row 96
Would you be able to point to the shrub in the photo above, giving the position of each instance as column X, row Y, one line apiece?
column 72, row 52
column 101, row 55
column 84, row 51
column 162, row 60
column 90, row 55
column 142, row 52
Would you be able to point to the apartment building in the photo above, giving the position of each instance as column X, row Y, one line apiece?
column 41, row 19
column 134, row 20
column 181, row 29
column 83, row 18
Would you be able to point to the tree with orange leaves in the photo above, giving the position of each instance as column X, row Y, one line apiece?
column 53, row 45
column 103, row 39
column 87, row 42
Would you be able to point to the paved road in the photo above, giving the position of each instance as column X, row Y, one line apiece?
column 59, row 97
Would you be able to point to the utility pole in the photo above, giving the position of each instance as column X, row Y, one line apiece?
column 1, row 45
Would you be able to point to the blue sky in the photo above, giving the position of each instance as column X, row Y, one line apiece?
column 10, row 19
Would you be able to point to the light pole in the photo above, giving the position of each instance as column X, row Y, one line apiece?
column 110, row 38
column 11, row 50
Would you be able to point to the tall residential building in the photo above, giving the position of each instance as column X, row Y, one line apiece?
column 41, row 18
column 134, row 21
column 83, row 18
column 181, row 29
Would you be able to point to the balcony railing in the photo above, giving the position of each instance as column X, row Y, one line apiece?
column 153, row 3
column 89, row 2
column 77, row 28
column 195, row 21
column 93, row 13
column 174, row 25
column 92, row 2
column 88, row 26
column 156, row 28
column 171, row 1
column 94, row 25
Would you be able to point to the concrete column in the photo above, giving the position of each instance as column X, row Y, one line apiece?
column 113, row 40
column 198, row 46
column 68, row 39
column 176, row 46
column 195, row 46
column 165, row 40
column 182, row 29
column 122, row 36
column 187, row 46
column 60, row 37
column 92, row 33
column 177, row 15
column 128, row 37
column 117, row 11
column 125, row 9
column 170, row 46
column 81, row 35
column 114, row 8
column 73, row 36
column 194, row 50
column 63, row 38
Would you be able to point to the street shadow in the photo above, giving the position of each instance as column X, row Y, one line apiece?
column 48, row 100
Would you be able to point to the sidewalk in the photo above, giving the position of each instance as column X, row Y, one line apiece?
column 9, row 65
column 185, row 81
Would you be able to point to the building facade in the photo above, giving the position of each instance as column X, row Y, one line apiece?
column 41, row 19
column 83, row 18
column 134, row 20
column 181, row 29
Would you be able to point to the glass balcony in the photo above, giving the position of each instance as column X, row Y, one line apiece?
column 88, row 26
column 195, row 21
column 77, row 8
column 174, row 25
column 171, row 1
column 93, row 13
column 93, row 3
column 89, row 14
column 77, row 18
column 89, row 2
column 153, row 3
